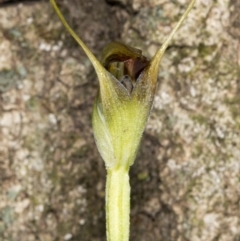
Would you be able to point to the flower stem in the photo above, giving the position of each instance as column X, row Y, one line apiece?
column 117, row 204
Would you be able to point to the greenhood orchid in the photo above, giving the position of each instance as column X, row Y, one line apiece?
column 127, row 82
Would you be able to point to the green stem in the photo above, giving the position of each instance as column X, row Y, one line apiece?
column 117, row 204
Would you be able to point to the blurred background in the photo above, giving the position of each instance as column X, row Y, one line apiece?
column 186, row 179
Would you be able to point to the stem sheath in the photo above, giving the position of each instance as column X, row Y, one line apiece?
column 117, row 204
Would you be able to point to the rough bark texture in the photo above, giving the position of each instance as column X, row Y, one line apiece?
column 185, row 182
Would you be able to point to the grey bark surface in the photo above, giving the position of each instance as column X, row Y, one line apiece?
column 185, row 181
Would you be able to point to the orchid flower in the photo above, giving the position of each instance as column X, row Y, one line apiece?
column 127, row 82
